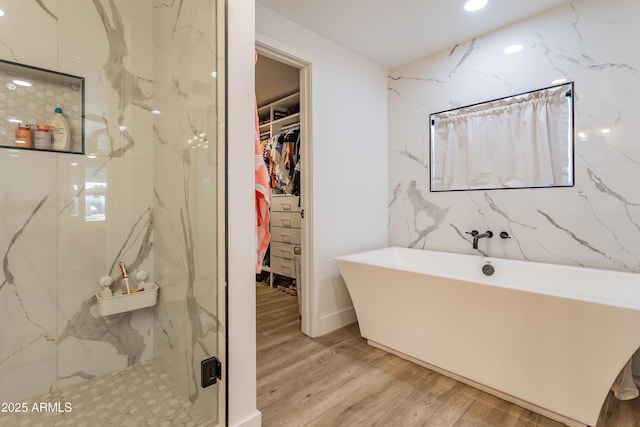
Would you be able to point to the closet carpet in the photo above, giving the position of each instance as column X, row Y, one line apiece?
column 338, row 380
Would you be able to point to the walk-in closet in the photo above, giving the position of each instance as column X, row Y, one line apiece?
column 279, row 127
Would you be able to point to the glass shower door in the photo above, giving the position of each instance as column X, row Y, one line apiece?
column 144, row 192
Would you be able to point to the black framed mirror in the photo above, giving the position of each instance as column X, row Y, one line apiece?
column 520, row 141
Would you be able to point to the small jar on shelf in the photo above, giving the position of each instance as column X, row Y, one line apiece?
column 42, row 137
column 23, row 136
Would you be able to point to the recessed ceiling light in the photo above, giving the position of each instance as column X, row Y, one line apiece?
column 22, row 83
column 214, row 74
column 513, row 48
column 473, row 5
column 606, row 130
column 582, row 135
column 1, row 12
column 558, row 81
column 155, row 111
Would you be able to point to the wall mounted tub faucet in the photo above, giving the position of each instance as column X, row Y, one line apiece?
column 477, row 236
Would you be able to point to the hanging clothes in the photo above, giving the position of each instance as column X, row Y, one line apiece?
column 296, row 169
column 282, row 156
column 262, row 196
column 278, row 154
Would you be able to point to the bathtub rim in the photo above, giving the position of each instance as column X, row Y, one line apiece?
column 486, row 280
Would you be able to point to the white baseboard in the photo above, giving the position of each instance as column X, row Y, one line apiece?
column 255, row 420
column 331, row 322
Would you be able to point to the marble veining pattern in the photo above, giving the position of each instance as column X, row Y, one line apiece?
column 130, row 53
column 596, row 223
column 545, row 224
column 47, row 10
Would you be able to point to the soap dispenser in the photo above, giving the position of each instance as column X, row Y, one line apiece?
column 60, row 131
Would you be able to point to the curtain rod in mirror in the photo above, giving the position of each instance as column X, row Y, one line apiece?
column 519, row 141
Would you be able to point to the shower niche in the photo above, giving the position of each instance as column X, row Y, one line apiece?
column 30, row 95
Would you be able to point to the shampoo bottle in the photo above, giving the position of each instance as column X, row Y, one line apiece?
column 59, row 131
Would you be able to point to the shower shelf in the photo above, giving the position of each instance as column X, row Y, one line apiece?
column 122, row 303
column 33, row 100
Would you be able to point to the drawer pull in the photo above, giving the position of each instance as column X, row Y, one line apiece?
column 286, row 206
column 286, row 254
column 286, row 238
column 286, row 222
column 286, row 269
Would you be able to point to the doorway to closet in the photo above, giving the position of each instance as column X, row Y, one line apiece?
column 282, row 98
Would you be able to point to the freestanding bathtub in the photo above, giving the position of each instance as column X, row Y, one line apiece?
column 547, row 337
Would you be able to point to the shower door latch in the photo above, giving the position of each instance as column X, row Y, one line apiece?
column 210, row 371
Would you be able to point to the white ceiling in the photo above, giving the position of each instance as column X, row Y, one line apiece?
column 395, row 32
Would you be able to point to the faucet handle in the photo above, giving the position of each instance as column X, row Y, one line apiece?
column 489, row 234
column 504, row 235
column 472, row 232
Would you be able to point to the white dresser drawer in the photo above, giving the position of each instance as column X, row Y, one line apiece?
column 286, row 235
column 283, row 250
column 286, row 219
column 283, row 267
column 285, row 203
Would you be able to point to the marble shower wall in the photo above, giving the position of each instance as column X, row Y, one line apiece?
column 185, row 209
column 596, row 223
column 158, row 204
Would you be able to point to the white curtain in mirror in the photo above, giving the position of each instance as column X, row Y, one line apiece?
column 519, row 141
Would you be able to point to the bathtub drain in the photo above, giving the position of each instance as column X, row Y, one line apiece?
column 488, row 269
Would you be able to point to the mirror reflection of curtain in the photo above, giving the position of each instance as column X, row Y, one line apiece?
column 520, row 141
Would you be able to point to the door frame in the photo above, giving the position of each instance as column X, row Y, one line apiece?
column 309, row 298
column 222, row 139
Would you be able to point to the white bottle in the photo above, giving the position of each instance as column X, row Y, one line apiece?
column 59, row 131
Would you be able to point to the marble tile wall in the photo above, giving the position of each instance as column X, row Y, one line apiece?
column 185, row 200
column 158, row 192
column 596, row 223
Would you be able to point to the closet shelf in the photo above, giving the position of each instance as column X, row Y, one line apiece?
column 293, row 118
column 267, row 113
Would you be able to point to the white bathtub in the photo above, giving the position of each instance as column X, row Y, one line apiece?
column 550, row 338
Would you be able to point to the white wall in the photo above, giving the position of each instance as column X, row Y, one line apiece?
column 349, row 148
column 241, row 217
column 350, row 178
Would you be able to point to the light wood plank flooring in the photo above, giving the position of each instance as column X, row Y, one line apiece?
column 338, row 380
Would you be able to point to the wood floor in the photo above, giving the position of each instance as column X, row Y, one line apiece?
column 339, row 380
